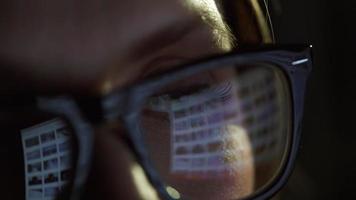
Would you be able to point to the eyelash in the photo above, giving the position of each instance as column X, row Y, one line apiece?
column 179, row 92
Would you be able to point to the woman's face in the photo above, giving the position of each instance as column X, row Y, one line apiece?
column 94, row 47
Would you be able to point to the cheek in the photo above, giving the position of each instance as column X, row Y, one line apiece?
column 196, row 179
column 111, row 176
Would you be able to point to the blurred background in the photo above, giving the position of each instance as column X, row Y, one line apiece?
column 326, row 162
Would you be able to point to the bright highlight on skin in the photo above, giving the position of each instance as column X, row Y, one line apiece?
column 241, row 143
column 145, row 190
column 242, row 161
column 173, row 192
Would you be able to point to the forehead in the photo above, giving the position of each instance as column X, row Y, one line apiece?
column 63, row 38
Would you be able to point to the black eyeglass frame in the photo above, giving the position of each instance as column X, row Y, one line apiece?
column 294, row 61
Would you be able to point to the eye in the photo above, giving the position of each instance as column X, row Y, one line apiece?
column 162, row 101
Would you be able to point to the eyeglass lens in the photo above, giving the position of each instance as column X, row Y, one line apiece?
column 41, row 147
column 219, row 134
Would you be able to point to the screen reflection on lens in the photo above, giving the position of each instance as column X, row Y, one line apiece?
column 220, row 134
column 45, row 144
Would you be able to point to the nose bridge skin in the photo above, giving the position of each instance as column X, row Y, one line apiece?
column 114, row 173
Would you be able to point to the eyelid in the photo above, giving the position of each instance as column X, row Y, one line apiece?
column 188, row 85
column 178, row 91
column 161, row 64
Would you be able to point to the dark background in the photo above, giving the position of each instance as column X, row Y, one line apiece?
column 326, row 163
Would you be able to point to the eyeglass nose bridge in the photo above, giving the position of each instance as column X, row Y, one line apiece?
column 115, row 106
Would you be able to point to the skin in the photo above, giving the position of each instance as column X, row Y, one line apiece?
column 95, row 47
column 100, row 47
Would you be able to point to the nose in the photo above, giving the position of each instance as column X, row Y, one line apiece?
column 115, row 173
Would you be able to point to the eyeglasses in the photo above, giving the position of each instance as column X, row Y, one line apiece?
column 227, row 127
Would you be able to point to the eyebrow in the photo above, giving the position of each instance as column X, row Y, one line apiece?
column 174, row 32
column 164, row 37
